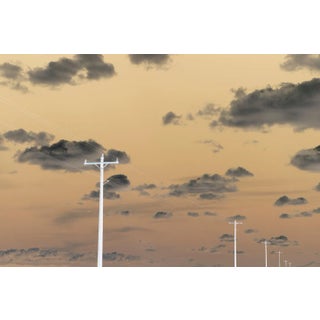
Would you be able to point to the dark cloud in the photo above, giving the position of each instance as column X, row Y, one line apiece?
column 209, row 213
column 116, row 182
column 112, row 184
column 10, row 71
column 248, row 231
column 281, row 240
column 308, row 159
column 238, row 172
column 171, row 118
column 208, row 187
column 162, row 214
column 117, row 256
column 124, row 212
column 113, row 154
column 143, row 187
column 95, row 66
column 62, row 155
column 302, row 214
column 71, row 216
column 94, row 194
column 299, row 61
column 13, row 75
column 189, row 117
column 294, row 104
column 237, row 217
column 226, row 237
column 193, row 214
column 317, row 187
column 209, row 196
column 65, row 70
column 285, row 200
column 22, row 136
column 284, row 216
column 208, row 111
column 150, row 60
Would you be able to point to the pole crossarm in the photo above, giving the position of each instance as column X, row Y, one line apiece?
column 101, row 165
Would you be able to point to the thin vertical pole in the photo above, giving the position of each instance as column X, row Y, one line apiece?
column 235, row 243
column 266, row 252
column 100, row 223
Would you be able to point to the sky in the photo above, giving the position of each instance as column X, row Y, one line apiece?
column 202, row 139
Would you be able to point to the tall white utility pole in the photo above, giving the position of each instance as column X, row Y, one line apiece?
column 265, row 252
column 235, row 240
column 102, row 164
column 279, row 253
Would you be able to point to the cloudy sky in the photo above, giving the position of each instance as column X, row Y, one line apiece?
column 201, row 140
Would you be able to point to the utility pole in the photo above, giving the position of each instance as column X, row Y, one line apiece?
column 235, row 240
column 285, row 263
column 265, row 252
column 279, row 253
column 101, row 165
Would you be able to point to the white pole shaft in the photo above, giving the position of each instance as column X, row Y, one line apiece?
column 279, row 259
column 100, row 223
column 235, row 243
column 266, row 253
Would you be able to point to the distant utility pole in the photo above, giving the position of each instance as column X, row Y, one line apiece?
column 285, row 263
column 235, row 240
column 265, row 252
column 101, row 165
column 279, row 253
column 289, row 264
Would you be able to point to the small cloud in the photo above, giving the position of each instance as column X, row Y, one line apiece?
column 209, row 213
column 143, row 187
column 193, row 214
column 114, row 183
column 317, row 187
column 22, row 136
column 285, row 200
column 150, row 60
column 248, row 231
column 162, row 215
column 209, row 196
column 227, row 237
column 237, row 217
column 207, row 187
column 285, row 216
column 238, row 172
column 171, row 118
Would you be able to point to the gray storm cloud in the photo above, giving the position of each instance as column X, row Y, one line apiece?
column 68, row 155
column 22, row 136
column 295, row 62
column 285, row 200
column 307, row 159
column 207, row 187
column 149, row 60
column 289, row 104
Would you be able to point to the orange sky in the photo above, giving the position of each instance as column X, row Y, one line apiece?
column 125, row 112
